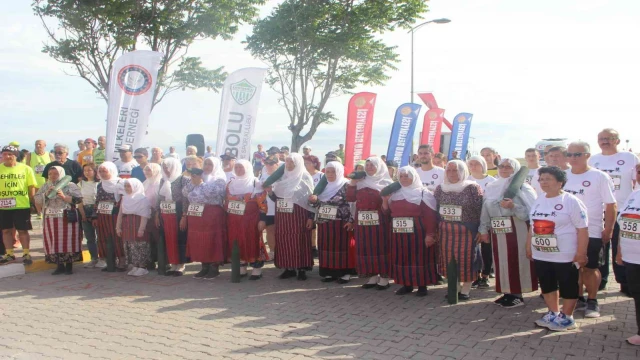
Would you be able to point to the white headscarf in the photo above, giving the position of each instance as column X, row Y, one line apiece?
column 334, row 186
column 463, row 175
column 61, row 172
column 495, row 190
column 380, row 179
column 111, row 185
column 152, row 184
column 135, row 203
column 414, row 193
column 216, row 173
column 175, row 169
column 296, row 184
column 244, row 184
column 482, row 162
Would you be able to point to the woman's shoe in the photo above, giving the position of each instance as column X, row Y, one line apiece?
column 404, row 290
column 287, row 274
column 302, row 275
column 68, row 269
column 328, row 279
column 59, row 270
column 132, row 271
column 422, row 291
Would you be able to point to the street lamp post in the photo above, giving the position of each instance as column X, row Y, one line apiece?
column 412, row 31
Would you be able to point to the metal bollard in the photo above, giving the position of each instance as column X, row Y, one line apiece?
column 452, row 281
column 111, row 254
column 235, row 262
column 162, row 254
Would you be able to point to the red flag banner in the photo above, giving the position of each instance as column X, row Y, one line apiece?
column 432, row 128
column 431, row 103
column 359, row 126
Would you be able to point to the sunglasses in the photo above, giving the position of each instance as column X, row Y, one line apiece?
column 59, row 152
column 578, row 154
column 504, row 167
column 138, row 156
column 612, row 138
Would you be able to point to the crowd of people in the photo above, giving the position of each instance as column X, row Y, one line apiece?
column 477, row 217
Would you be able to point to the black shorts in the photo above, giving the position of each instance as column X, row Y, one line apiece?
column 558, row 275
column 20, row 219
column 595, row 253
column 271, row 220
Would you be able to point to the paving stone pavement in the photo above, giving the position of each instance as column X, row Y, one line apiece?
column 95, row 315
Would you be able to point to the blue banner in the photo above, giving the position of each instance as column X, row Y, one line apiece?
column 404, row 126
column 460, row 135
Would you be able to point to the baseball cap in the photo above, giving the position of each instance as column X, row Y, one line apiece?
column 228, row 157
column 11, row 148
column 331, row 154
column 15, row 143
column 273, row 150
column 142, row 151
column 271, row 159
column 125, row 148
column 284, row 148
column 90, row 140
column 307, row 147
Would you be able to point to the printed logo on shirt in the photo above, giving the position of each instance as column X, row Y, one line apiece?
column 631, row 208
column 583, row 215
column 434, row 176
column 559, row 207
column 620, row 162
column 586, row 183
column 536, row 213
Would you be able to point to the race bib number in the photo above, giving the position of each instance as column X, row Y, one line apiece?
column 368, row 218
column 403, row 225
column 7, row 203
column 195, row 210
column 328, row 212
column 106, row 207
column 236, row 207
column 167, row 207
column 39, row 169
column 617, row 179
column 54, row 213
column 451, row 212
column 545, row 243
column 528, row 179
column 285, row 206
column 501, row 225
column 630, row 228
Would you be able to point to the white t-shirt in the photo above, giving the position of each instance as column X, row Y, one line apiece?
column 533, row 179
column 566, row 214
column 271, row 205
column 230, row 175
column 173, row 155
column 432, row 178
column 595, row 189
column 630, row 229
column 621, row 167
column 124, row 169
column 316, row 178
column 483, row 182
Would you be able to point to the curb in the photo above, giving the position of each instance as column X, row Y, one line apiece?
column 37, row 266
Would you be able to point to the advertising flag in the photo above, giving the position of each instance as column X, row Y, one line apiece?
column 404, row 126
column 460, row 135
column 238, row 111
column 432, row 128
column 359, row 125
column 131, row 88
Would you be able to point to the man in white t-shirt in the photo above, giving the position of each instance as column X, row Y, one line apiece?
column 557, row 157
column 228, row 163
column 532, row 156
column 620, row 166
column 126, row 163
column 172, row 153
column 595, row 189
column 430, row 176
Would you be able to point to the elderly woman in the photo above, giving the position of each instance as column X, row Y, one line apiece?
column 371, row 230
column 335, row 222
column 505, row 222
column 459, row 205
column 414, row 224
column 61, row 225
column 558, row 244
column 294, row 218
column 153, row 176
column 205, row 223
column 312, row 164
column 135, row 212
column 245, row 204
column 107, row 205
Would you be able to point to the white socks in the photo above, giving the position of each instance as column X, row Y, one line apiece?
column 243, row 270
column 254, row 271
column 346, row 277
column 466, row 288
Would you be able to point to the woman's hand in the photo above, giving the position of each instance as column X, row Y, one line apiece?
column 94, row 222
column 183, row 224
column 506, row 203
column 429, row 240
column 348, row 226
column 581, row 259
column 619, row 258
column 313, row 199
column 529, row 253
column 309, row 224
column 61, row 195
column 483, row 238
column 262, row 226
column 119, row 232
column 157, row 221
column 140, row 233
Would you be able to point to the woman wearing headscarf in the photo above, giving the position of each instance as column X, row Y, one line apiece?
column 245, row 203
column 335, row 223
column 107, row 206
column 62, row 237
column 506, row 221
column 153, row 175
column 459, row 206
column 414, row 224
column 135, row 212
column 372, row 225
column 205, row 223
column 212, row 169
column 294, row 218
column 169, row 212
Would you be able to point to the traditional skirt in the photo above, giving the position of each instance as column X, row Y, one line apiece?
column 456, row 241
column 412, row 262
column 244, row 229
column 372, row 248
column 62, row 240
column 293, row 240
column 175, row 240
column 334, row 243
column 207, row 236
column 107, row 232
column 515, row 274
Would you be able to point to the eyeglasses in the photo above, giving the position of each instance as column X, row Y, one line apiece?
column 578, row 154
column 505, row 167
column 611, row 138
column 59, row 152
column 138, row 156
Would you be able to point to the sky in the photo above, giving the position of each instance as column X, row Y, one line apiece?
column 525, row 70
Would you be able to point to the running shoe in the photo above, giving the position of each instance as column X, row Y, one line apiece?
column 546, row 320
column 581, row 305
column 512, row 302
column 562, row 323
column 7, row 258
column 593, row 309
column 26, row 259
column 500, row 300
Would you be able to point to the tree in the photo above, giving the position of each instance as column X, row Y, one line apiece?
column 323, row 48
column 92, row 34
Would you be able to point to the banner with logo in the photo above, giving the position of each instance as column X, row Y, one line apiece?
column 131, row 88
column 359, row 126
column 430, row 100
column 460, row 135
column 432, row 128
column 404, row 126
column 238, row 111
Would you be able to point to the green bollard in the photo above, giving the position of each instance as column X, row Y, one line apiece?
column 162, row 255
column 111, row 254
column 452, row 280
column 235, row 262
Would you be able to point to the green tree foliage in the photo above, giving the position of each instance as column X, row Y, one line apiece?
column 90, row 35
column 317, row 49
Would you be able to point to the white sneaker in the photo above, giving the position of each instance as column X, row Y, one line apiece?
column 101, row 264
column 243, row 270
column 141, row 272
column 132, row 271
column 373, row 280
column 130, row 267
column 91, row 264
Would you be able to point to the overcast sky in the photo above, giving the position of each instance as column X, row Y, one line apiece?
column 526, row 70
